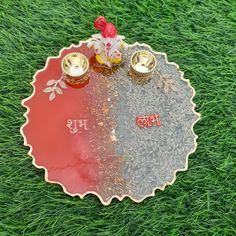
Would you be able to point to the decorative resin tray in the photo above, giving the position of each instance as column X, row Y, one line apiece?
column 113, row 136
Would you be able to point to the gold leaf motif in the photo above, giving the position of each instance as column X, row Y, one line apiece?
column 166, row 88
column 165, row 76
column 159, row 83
column 173, row 87
column 170, row 81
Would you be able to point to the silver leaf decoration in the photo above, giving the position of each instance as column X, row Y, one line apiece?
column 48, row 90
column 51, row 82
column 58, row 90
column 62, row 84
column 52, row 96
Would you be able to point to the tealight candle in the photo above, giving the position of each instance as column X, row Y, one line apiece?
column 141, row 68
column 76, row 70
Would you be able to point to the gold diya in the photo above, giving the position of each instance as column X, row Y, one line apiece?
column 142, row 64
column 75, row 66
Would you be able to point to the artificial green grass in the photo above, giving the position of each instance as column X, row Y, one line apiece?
column 200, row 36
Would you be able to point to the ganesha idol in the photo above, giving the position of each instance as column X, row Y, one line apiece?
column 107, row 44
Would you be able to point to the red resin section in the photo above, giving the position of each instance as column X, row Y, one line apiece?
column 76, row 161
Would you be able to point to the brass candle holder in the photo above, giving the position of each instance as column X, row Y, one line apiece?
column 75, row 67
column 142, row 65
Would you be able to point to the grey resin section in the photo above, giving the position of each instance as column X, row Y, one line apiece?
column 152, row 155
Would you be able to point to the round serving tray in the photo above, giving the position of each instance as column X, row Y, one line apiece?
column 114, row 136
